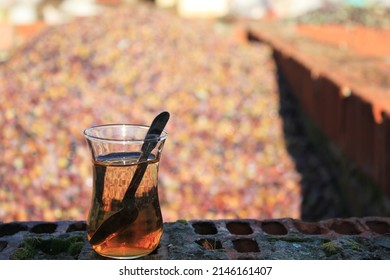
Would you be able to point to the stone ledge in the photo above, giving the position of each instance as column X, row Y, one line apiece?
column 274, row 239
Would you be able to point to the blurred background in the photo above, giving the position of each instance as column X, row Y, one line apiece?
column 67, row 65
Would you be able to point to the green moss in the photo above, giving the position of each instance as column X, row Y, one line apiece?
column 52, row 246
column 293, row 238
column 75, row 248
column 32, row 242
column 23, row 253
column 331, row 248
column 76, row 238
column 354, row 245
column 183, row 222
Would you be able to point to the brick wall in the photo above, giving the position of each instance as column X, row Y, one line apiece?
column 352, row 238
column 357, row 121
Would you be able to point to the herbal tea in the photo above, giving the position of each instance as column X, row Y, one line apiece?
column 140, row 234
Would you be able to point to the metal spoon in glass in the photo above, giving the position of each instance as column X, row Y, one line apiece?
column 129, row 212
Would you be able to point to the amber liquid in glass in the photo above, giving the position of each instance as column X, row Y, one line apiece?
column 112, row 175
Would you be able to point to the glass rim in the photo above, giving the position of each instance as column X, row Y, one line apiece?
column 89, row 136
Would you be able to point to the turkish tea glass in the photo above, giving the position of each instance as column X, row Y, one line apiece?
column 124, row 223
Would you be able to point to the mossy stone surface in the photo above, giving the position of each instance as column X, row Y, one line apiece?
column 49, row 248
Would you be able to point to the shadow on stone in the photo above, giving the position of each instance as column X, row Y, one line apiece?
column 245, row 245
column 3, row 244
column 204, row 228
column 77, row 226
column 44, row 228
column 274, row 228
column 379, row 227
column 344, row 227
column 12, row 228
column 239, row 228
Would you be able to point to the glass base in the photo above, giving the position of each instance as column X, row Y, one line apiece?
column 124, row 257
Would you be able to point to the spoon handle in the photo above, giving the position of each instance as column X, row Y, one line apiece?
column 155, row 129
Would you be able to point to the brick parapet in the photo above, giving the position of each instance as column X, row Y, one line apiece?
column 355, row 118
column 350, row 238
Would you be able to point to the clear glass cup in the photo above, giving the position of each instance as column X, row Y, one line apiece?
column 124, row 220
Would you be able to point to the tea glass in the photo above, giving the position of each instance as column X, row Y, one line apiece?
column 124, row 223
